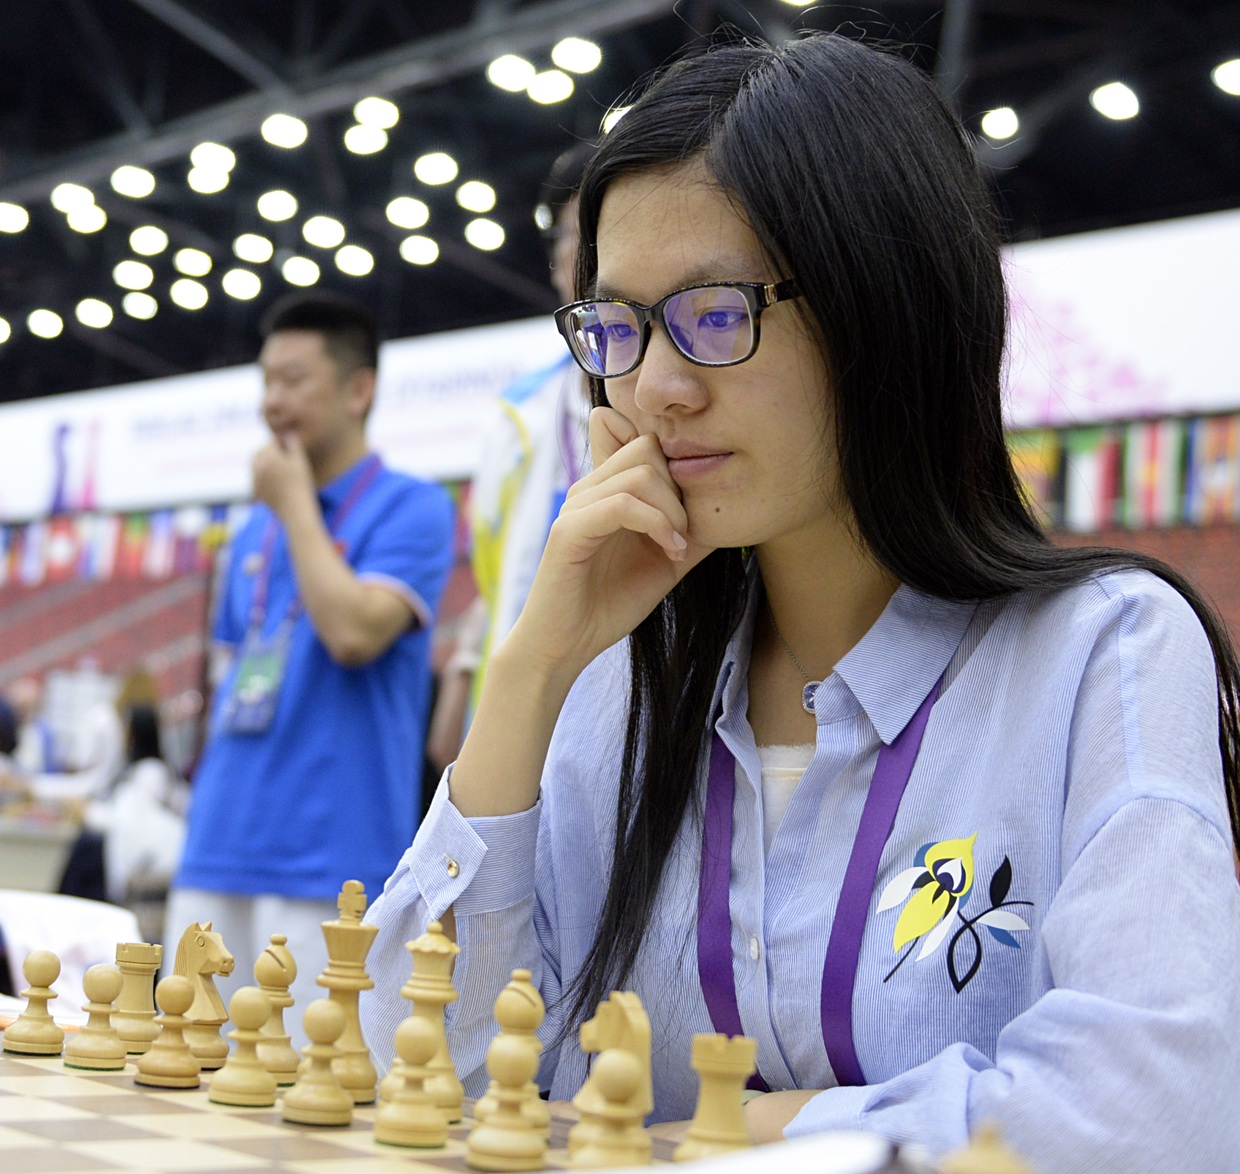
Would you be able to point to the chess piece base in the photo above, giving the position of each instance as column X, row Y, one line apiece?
column 301, row 1116
column 501, row 1150
column 433, row 1137
column 96, row 1063
column 155, row 1080
column 22, row 1048
column 250, row 1100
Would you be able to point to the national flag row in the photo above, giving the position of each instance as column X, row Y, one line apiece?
column 1139, row 474
column 102, row 546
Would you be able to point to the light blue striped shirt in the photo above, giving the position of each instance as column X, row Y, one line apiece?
column 1085, row 994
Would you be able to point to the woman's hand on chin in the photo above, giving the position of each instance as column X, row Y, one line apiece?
column 620, row 544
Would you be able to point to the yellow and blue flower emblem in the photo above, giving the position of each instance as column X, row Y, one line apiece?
column 934, row 892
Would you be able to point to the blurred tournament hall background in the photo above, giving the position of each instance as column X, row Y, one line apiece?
column 168, row 168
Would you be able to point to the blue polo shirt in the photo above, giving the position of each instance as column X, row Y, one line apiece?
column 331, row 790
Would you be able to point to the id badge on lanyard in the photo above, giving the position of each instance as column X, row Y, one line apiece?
column 251, row 706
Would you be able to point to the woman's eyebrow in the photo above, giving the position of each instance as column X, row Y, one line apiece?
column 720, row 269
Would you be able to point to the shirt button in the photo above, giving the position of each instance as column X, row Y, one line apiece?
column 454, row 869
column 753, row 948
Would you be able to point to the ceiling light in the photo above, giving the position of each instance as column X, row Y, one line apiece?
column 94, row 313
column 511, row 73
column 577, row 55
column 139, row 305
column 419, row 250
column 1001, row 123
column 87, row 218
column 13, row 217
column 67, row 196
column 148, row 240
column 436, row 168
column 323, row 231
column 613, row 116
column 189, row 295
column 283, row 130
column 249, row 246
column 354, row 260
column 552, row 85
column 1115, row 100
column 1227, row 76
column 377, row 112
column 6, row 331
column 133, row 275
column 474, row 196
column 365, row 140
column 241, row 284
column 799, row 3
column 484, row 234
column 213, row 157
column 44, row 323
column 406, row 212
column 192, row 262
column 277, row 205
column 207, row 183
column 300, row 271
column 135, row 182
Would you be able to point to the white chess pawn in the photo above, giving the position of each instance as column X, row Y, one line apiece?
column 508, row 1139
column 169, row 1063
column 519, row 1011
column 96, row 1045
column 616, row 1136
column 34, row 1032
column 409, row 1117
column 243, row 1080
column 318, row 1097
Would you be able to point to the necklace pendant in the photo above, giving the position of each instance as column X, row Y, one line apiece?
column 807, row 696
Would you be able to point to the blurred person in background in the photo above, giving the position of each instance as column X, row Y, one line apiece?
column 311, row 770
column 533, row 448
column 36, row 747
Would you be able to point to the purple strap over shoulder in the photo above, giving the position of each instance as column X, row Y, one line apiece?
column 839, row 972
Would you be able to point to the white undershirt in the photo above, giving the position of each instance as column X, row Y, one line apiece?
column 782, row 768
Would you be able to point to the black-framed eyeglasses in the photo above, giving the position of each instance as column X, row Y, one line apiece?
column 713, row 325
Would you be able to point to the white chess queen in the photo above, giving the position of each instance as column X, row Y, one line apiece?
column 806, row 730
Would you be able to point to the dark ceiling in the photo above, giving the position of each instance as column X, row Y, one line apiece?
column 88, row 85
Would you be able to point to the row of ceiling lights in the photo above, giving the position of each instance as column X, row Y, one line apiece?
column 1114, row 100
column 211, row 167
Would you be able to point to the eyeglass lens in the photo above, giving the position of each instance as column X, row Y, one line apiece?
column 709, row 324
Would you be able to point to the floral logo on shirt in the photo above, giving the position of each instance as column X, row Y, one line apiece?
column 937, row 888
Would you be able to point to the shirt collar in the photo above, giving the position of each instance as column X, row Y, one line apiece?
column 892, row 668
column 335, row 491
column 888, row 672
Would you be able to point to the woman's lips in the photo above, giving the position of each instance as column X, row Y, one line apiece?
column 682, row 468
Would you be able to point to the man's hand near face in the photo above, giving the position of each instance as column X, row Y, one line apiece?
column 283, row 478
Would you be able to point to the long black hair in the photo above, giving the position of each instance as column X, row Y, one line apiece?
column 858, row 181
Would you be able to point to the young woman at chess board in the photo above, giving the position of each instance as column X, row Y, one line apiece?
column 792, row 549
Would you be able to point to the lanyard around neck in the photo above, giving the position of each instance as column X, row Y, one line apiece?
column 839, row 971
column 262, row 582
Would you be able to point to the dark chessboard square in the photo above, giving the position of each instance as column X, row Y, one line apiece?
column 79, row 1129
column 295, row 1147
column 50, row 1161
column 125, row 1104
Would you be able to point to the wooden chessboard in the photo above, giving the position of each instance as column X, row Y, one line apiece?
column 54, row 1118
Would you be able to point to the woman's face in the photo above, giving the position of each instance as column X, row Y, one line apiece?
column 747, row 445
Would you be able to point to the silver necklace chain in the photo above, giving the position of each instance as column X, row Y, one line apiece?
column 811, row 685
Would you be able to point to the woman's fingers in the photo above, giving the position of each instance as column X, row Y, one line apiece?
column 609, row 433
column 610, row 513
column 642, row 482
